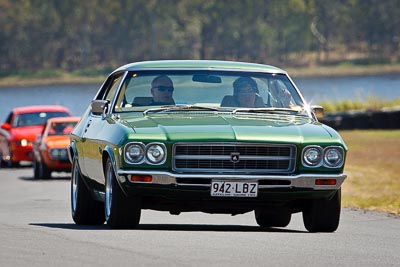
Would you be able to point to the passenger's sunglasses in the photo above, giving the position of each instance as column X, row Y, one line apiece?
column 164, row 88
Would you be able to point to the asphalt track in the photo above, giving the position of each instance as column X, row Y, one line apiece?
column 36, row 229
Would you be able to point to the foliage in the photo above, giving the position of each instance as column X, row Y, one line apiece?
column 99, row 34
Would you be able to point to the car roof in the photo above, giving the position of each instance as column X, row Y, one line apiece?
column 44, row 108
column 200, row 64
column 63, row 119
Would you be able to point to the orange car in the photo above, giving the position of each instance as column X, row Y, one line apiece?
column 50, row 148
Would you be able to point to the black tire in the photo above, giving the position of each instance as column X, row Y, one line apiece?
column 2, row 162
column 266, row 218
column 12, row 164
column 36, row 169
column 44, row 171
column 323, row 215
column 85, row 210
column 120, row 211
column 40, row 170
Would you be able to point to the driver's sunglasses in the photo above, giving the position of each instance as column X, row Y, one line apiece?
column 164, row 88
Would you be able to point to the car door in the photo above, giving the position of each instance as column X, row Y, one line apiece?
column 93, row 134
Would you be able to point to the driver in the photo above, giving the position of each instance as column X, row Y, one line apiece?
column 162, row 89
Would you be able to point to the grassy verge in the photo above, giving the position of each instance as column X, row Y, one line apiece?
column 370, row 103
column 343, row 70
column 50, row 77
column 373, row 170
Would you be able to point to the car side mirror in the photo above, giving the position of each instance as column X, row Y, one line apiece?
column 318, row 112
column 99, row 107
column 6, row 126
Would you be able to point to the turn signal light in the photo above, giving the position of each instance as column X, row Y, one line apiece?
column 141, row 178
column 325, row 182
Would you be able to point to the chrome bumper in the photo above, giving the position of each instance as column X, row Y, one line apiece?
column 294, row 181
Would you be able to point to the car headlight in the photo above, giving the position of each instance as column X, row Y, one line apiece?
column 54, row 153
column 312, row 156
column 59, row 153
column 134, row 153
column 316, row 156
column 24, row 142
column 333, row 157
column 138, row 153
column 155, row 153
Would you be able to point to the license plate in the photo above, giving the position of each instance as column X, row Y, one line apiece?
column 234, row 189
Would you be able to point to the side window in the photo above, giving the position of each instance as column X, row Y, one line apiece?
column 9, row 118
column 113, row 88
column 109, row 88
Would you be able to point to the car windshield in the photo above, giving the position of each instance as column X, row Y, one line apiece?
column 207, row 90
column 61, row 128
column 35, row 118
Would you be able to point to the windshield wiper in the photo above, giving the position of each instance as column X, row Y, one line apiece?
column 178, row 107
column 266, row 110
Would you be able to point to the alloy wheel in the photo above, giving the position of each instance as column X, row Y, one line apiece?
column 74, row 186
column 108, row 201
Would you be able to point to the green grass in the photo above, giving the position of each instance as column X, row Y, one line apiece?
column 373, row 170
column 370, row 103
column 46, row 77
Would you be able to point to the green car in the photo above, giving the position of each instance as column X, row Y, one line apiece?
column 209, row 136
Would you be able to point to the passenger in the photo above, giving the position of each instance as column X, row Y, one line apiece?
column 245, row 94
column 280, row 96
column 162, row 89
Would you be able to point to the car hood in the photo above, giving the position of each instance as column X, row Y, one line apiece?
column 58, row 141
column 223, row 127
column 27, row 132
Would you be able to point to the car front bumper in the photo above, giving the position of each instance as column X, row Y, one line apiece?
column 21, row 153
column 192, row 192
column 56, row 164
column 304, row 181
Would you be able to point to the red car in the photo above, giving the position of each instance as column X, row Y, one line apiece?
column 50, row 148
column 20, row 129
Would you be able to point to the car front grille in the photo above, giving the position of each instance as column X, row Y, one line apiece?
column 234, row 158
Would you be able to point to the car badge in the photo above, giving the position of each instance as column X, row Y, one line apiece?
column 235, row 157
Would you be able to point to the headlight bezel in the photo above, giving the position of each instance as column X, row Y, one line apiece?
column 162, row 148
column 323, row 157
column 146, row 157
column 340, row 153
column 306, row 162
column 139, row 146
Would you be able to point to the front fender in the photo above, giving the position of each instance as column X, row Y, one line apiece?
column 72, row 151
column 108, row 152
